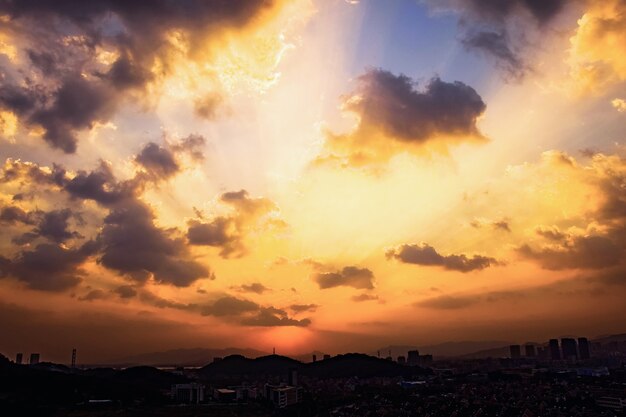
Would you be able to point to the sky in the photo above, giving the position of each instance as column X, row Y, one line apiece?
column 333, row 175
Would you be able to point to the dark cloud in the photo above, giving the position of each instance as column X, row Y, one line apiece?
column 49, row 267
column 94, row 295
column 589, row 252
column 364, row 297
column 228, row 232
column 551, row 233
column 493, row 27
column 250, row 313
column 502, row 225
column 54, row 226
column 191, row 145
column 128, row 241
column 66, row 88
column 272, row 317
column 301, row 308
column 206, row 107
column 215, row 233
column 100, row 186
column 158, row 162
column 255, row 287
column 391, row 103
column 424, row 254
column 134, row 246
column 349, row 276
column 229, row 306
column 13, row 215
column 497, row 45
column 126, row 291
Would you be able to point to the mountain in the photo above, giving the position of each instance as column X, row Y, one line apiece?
column 358, row 365
column 238, row 366
column 341, row 366
column 185, row 357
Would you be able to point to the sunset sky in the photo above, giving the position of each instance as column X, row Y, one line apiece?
column 333, row 175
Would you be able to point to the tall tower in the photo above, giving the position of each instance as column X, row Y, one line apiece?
column 18, row 358
column 74, row 358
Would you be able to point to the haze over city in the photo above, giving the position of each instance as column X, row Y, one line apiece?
column 309, row 175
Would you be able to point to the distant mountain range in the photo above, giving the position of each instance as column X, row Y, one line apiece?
column 203, row 356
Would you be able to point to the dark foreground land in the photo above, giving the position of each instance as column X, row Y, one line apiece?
column 348, row 385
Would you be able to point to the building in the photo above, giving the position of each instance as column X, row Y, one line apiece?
column 569, row 349
column 529, row 351
column 192, row 393
column 283, row 395
column 401, row 360
column 425, row 360
column 225, row 395
column 516, row 351
column 614, row 403
column 244, row 392
column 34, row 358
column 326, row 356
column 555, row 352
column 413, row 357
column 583, row 348
column 314, row 358
column 18, row 358
column 293, row 377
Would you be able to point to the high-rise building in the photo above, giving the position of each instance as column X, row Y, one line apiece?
column 413, row 357
column 74, row 358
column 401, row 360
column 516, row 351
column 18, row 358
column 326, row 356
column 293, row 377
column 555, row 352
column 314, row 358
column 568, row 347
column 529, row 350
column 34, row 358
column 583, row 348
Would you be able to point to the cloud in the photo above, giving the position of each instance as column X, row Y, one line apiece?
column 134, row 246
column 446, row 302
column 92, row 295
column 424, row 254
column 592, row 252
column 364, row 297
column 249, row 313
column 100, row 186
column 162, row 162
column 229, row 232
column 54, row 225
column 502, row 29
column 158, row 162
column 48, row 267
column 594, row 64
column 497, row 46
column 12, row 215
column 82, row 60
column 271, row 317
column 229, row 306
column 301, row 308
column 619, row 105
column 599, row 239
column 255, row 287
column 349, row 276
column 394, row 116
column 503, row 224
column 126, row 291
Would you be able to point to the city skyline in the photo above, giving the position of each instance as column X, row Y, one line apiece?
column 307, row 175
